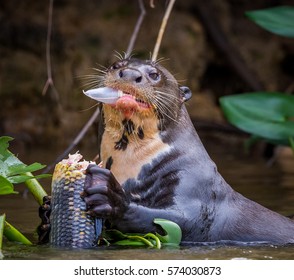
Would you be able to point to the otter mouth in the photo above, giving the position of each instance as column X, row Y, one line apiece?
column 128, row 99
column 128, row 104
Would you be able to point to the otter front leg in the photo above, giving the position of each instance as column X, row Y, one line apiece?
column 105, row 198
column 103, row 195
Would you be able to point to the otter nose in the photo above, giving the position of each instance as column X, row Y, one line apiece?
column 130, row 75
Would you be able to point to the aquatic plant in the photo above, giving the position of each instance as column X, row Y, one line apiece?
column 172, row 237
column 266, row 115
column 277, row 20
column 12, row 172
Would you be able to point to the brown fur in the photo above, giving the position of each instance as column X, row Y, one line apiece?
column 127, row 164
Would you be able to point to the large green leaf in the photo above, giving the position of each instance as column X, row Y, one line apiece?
column 268, row 115
column 278, row 20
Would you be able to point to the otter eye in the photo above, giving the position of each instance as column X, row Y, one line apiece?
column 154, row 76
column 118, row 64
column 115, row 66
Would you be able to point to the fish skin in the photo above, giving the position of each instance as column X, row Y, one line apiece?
column 71, row 226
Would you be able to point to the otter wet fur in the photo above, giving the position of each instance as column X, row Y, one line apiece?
column 155, row 166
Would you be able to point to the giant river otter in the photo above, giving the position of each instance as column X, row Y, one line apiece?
column 155, row 166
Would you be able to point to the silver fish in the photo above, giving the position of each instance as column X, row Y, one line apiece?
column 104, row 94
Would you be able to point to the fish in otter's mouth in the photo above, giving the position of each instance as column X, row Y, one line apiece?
column 126, row 102
column 111, row 96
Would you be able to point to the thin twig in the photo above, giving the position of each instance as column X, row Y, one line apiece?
column 152, row 5
column 49, row 82
column 137, row 28
column 162, row 29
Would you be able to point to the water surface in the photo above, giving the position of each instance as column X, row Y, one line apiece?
column 271, row 186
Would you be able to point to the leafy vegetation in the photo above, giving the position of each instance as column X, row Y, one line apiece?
column 266, row 115
column 278, row 20
column 13, row 171
column 172, row 237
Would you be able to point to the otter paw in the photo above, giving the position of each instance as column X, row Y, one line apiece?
column 104, row 196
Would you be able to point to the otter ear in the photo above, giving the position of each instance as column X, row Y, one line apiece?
column 185, row 93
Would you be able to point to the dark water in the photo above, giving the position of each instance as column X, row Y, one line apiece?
column 271, row 186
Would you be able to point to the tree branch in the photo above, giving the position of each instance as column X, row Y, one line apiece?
column 162, row 29
column 49, row 82
column 137, row 28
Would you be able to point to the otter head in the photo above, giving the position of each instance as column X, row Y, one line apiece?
column 149, row 91
column 144, row 99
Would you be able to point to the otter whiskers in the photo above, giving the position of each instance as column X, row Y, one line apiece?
column 164, row 104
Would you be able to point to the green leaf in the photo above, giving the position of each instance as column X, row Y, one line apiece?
column 128, row 242
column 23, row 178
column 278, row 20
column 6, row 156
column 19, row 179
column 10, row 165
column 12, row 234
column 14, row 168
column 23, row 168
column 268, row 115
column 4, row 144
column 42, row 176
column 127, row 239
column 133, row 239
column 173, row 233
column 6, row 187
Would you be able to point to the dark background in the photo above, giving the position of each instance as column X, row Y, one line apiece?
column 210, row 46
